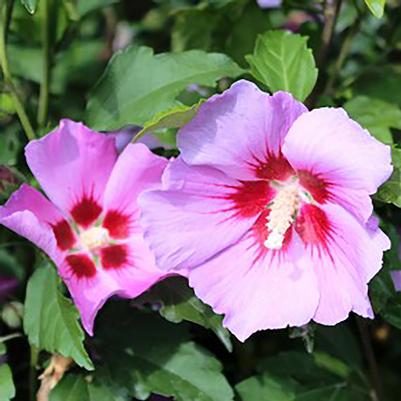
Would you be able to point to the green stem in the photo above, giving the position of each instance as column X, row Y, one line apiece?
column 32, row 372
column 43, row 107
column 19, row 108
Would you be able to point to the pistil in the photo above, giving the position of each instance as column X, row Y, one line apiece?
column 94, row 237
column 282, row 215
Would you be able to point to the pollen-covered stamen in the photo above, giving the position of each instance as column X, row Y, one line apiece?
column 94, row 237
column 282, row 215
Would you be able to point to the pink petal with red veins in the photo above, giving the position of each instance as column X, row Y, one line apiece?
column 344, row 162
column 131, row 265
column 32, row 216
column 89, row 290
column 240, row 132
column 344, row 255
column 137, row 169
column 73, row 165
column 200, row 212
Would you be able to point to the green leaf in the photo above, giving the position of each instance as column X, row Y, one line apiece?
column 282, row 61
column 146, row 354
column 392, row 311
column 71, row 388
column 375, row 115
column 138, row 84
column 266, row 388
column 180, row 303
column 303, row 367
column 51, row 320
column 7, row 388
column 30, row 5
column 76, row 388
column 376, row 7
column 390, row 191
column 340, row 341
column 173, row 118
column 296, row 376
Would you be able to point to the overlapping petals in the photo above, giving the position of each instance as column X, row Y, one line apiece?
column 268, row 208
column 90, row 227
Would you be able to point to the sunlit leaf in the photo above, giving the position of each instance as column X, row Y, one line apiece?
column 173, row 118
column 30, row 5
column 376, row 7
column 375, row 115
column 138, row 84
column 282, row 61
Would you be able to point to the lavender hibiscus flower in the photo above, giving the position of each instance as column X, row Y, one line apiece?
column 268, row 209
column 89, row 228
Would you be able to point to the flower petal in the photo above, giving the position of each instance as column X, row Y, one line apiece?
column 132, row 266
column 137, row 169
column 73, row 164
column 354, row 255
column 338, row 154
column 240, row 132
column 273, row 291
column 200, row 212
column 31, row 215
column 88, row 293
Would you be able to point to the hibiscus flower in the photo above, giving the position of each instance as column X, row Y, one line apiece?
column 89, row 224
column 268, row 208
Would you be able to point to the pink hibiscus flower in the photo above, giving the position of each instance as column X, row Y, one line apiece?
column 268, row 208
column 89, row 227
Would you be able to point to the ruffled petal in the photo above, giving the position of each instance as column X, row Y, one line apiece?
column 256, row 291
column 352, row 254
column 200, row 212
column 240, row 132
column 339, row 161
column 73, row 165
column 32, row 216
